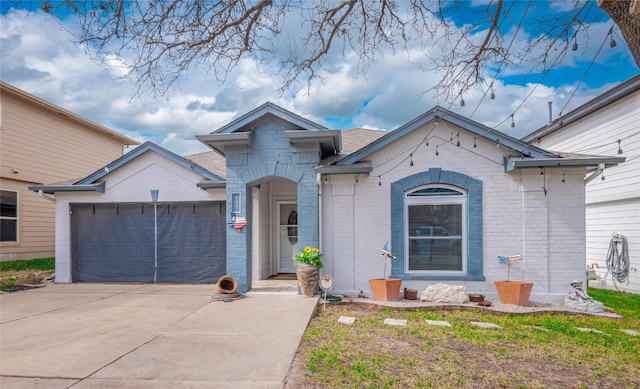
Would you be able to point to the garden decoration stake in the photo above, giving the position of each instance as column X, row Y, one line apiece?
column 513, row 258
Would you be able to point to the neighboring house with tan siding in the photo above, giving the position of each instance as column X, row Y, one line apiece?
column 41, row 143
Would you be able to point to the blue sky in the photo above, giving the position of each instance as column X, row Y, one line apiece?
column 40, row 57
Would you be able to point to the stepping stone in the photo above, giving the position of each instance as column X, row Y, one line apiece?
column 631, row 332
column 395, row 322
column 484, row 324
column 536, row 327
column 595, row 331
column 438, row 323
column 348, row 320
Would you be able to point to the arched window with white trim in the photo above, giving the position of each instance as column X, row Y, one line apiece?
column 435, row 230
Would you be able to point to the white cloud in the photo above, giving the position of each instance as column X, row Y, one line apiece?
column 44, row 61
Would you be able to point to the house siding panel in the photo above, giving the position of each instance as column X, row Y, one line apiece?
column 42, row 145
column 613, row 204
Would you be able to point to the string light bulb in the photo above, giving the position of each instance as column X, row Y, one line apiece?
column 411, row 157
column 379, row 181
column 612, row 42
column 513, row 123
column 619, row 148
column 575, row 44
column 563, row 180
column 461, row 101
column 458, row 142
column 437, row 150
column 474, row 142
column 492, row 96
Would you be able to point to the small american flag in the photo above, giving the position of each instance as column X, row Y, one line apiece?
column 512, row 258
column 385, row 251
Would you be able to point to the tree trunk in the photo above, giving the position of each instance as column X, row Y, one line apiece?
column 626, row 14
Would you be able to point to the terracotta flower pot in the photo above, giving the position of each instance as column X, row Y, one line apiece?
column 385, row 289
column 308, row 276
column 514, row 292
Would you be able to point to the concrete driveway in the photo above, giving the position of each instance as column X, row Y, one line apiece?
column 147, row 336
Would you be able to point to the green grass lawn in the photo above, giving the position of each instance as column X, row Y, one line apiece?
column 43, row 264
column 31, row 271
column 544, row 350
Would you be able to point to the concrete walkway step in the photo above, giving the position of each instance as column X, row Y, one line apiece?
column 348, row 320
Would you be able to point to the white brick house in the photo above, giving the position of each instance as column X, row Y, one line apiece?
column 610, row 125
column 448, row 194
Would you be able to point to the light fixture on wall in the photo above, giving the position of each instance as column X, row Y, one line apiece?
column 154, row 195
column 619, row 148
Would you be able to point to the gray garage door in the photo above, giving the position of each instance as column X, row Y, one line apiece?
column 117, row 242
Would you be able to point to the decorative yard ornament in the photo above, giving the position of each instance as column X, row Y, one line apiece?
column 387, row 254
column 513, row 292
column 326, row 283
column 508, row 260
column 385, row 289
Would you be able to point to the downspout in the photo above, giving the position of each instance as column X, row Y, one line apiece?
column 595, row 174
column 319, row 182
column 44, row 196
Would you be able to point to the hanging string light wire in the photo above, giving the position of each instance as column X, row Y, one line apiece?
column 544, row 75
column 585, row 73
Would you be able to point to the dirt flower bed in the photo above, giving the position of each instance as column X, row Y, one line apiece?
column 23, row 279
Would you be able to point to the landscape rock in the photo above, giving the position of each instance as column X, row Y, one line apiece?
column 445, row 293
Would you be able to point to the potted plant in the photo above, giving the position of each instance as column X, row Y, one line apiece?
column 385, row 289
column 513, row 292
column 309, row 263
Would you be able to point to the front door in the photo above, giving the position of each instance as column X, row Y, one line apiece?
column 287, row 236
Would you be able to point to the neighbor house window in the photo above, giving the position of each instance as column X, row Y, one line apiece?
column 436, row 225
column 8, row 216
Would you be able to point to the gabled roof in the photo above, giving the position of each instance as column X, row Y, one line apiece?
column 239, row 133
column 210, row 160
column 531, row 156
column 92, row 183
column 241, row 123
column 45, row 105
column 614, row 94
column 437, row 113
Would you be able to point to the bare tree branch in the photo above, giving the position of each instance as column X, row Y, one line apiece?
column 165, row 40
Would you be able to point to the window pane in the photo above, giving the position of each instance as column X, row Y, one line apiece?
column 8, row 230
column 8, row 203
column 435, row 254
column 435, row 237
column 435, row 192
column 435, row 220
